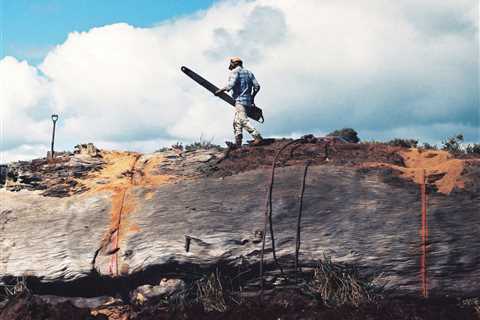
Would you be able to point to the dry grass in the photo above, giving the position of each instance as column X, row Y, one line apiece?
column 9, row 291
column 473, row 302
column 336, row 285
column 211, row 294
column 211, row 291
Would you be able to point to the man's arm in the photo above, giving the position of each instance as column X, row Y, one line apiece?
column 230, row 83
column 256, row 86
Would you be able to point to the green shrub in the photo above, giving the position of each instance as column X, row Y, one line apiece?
column 202, row 144
column 347, row 133
column 473, row 148
column 176, row 146
column 453, row 144
column 428, row 146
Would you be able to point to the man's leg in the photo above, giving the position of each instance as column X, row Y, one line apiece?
column 253, row 132
column 238, row 124
column 251, row 129
column 241, row 121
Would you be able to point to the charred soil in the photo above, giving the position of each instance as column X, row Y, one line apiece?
column 282, row 305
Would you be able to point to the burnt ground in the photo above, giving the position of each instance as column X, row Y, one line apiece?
column 471, row 175
column 289, row 305
column 320, row 151
column 29, row 307
column 283, row 305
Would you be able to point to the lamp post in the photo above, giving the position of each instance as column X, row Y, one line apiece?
column 54, row 119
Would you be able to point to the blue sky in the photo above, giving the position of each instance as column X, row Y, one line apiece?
column 111, row 70
column 31, row 28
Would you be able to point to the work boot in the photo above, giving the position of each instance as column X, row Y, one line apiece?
column 257, row 140
column 238, row 141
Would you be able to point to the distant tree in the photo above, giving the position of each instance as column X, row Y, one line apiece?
column 453, row 144
column 346, row 133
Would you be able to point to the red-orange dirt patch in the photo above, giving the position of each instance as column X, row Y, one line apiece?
column 431, row 162
column 122, row 172
column 434, row 162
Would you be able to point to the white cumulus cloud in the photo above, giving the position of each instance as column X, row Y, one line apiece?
column 383, row 68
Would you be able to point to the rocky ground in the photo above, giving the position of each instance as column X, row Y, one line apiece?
column 57, row 177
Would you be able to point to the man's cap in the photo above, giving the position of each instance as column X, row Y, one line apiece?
column 235, row 59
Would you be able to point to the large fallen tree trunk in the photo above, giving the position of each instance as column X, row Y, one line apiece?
column 164, row 212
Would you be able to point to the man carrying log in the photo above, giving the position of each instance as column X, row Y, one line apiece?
column 244, row 88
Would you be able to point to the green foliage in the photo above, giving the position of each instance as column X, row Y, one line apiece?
column 428, row 146
column 473, row 148
column 453, row 144
column 176, row 146
column 405, row 143
column 347, row 133
column 202, row 144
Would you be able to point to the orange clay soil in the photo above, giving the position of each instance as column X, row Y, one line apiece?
column 122, row 172
column 431, row 162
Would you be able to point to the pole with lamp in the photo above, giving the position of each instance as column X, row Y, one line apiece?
column 54, row 119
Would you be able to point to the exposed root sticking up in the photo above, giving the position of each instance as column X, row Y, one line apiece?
column 268, row 215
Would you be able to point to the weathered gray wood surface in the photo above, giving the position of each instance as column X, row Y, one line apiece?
column 367, row 217
column 353, row 216
column 50, row 238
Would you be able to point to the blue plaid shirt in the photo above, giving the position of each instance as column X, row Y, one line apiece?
column 242, row 83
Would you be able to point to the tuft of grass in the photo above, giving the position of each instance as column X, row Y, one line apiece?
column 405, row 143
column 202, row 144
column 213, row 291
column 211, row 294
column 428, row 146
column 473, row 302
column 9, row 291
column 337, row 285
column 176, row 146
